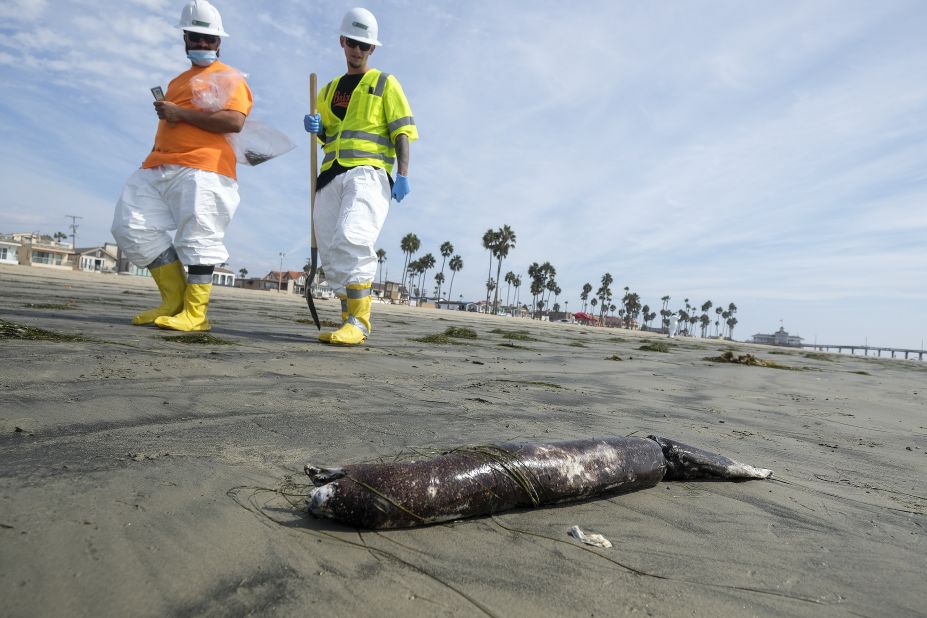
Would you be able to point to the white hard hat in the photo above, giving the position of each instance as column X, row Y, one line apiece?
column 360, row 25
column 200, row 16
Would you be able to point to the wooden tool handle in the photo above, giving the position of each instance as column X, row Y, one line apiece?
column 313, row 159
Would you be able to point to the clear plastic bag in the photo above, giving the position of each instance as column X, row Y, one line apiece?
column 257, row 142
column 211, row 91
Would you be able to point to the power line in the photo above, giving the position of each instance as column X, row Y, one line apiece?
column 74, row 227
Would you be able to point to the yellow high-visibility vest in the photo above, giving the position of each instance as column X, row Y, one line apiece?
column 377, row 114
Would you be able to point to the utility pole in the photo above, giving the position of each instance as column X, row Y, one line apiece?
column 74, row 227
column 280, row 274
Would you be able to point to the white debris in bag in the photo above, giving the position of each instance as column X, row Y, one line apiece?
column 596, row 540
column 258, row 142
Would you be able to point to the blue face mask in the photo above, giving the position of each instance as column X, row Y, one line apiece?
column 202, row 57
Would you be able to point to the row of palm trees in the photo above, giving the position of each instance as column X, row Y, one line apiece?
column 499, row 242
column 631, row 309
column 414, row 271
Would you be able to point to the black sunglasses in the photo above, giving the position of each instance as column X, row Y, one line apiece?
column 196, row 37
column 352, row 44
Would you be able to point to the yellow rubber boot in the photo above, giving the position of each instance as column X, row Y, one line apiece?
column 326, row 337
column 193, row 316
column 356, row 328
column 172, row 281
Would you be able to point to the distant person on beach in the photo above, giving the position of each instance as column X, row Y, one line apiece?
column 187, row 185
column 365, row 125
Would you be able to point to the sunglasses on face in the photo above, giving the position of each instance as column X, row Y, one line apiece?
column 196, row 37
column 352, row 44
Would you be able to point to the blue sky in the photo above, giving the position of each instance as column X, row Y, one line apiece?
column 769, row 154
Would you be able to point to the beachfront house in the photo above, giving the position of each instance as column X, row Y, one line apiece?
column 9, row 250
column 43, row 250
column 453, row 305
column 223, row 276
column 101, row 259
column 389, row 292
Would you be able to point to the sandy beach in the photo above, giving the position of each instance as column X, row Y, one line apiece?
column 139, row 474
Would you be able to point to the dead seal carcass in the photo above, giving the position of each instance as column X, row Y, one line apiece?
column 480, row 480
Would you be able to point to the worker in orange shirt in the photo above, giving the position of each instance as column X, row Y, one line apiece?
column 187, row 185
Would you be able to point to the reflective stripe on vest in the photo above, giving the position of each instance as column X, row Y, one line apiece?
column 402, row 122
column 381, row 85
column 370, row 137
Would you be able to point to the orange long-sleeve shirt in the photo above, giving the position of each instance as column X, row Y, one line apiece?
column 190, row 146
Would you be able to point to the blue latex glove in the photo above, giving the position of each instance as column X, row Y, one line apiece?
column 313, row 123
column 401, row 187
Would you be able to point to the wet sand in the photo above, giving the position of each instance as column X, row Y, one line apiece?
column 137, row 472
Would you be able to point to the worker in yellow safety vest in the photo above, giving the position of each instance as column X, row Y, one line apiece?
column 365, row 126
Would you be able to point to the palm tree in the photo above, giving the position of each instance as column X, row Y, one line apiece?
column 585, row 295
column 517, row 283
column 412, row 271
column 731, row 323
column 705, row 307
column 593, row 303
column 604, row 293
column 489, row 242
column 439, row 279
column 718, row 312
column 381, row 257
column 664, row 312
column 541, row 275
column 242, row 272
column 446, row 250
column 426, row 263
column 409, row 245
column 548, row 272
column 551, row 287
column 537, row 288
column 683, row 319
column 505, row 240
column 455, row 265
column 509, row 279
column 632, row 307
column 705, row 322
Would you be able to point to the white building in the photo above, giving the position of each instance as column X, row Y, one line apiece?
column 780, row 337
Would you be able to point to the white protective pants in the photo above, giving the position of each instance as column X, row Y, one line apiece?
column 199, row 205
column 349, row 213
